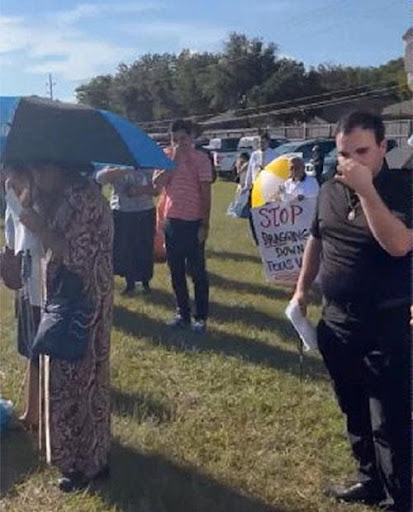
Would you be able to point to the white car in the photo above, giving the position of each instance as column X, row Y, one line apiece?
column 224, row 152
column 252, row 142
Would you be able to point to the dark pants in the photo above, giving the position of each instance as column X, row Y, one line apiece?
column 368, row 359
column 182, row 249
column 133, row 245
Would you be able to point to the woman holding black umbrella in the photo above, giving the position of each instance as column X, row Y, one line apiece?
column 75, row 226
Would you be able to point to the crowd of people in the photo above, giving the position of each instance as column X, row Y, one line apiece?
column 60, row 225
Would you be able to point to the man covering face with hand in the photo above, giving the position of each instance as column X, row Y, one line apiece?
column 361, row 241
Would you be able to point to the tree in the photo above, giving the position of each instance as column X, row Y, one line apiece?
column 288, row 81
column 246, row 73
column 244, row 64
column 191, row 74
column 97, row 93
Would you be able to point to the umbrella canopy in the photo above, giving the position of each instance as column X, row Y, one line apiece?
column 34, row 128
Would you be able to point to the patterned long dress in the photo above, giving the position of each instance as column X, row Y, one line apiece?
column 77, row 395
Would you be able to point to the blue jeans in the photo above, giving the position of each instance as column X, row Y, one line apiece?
column 184, row 250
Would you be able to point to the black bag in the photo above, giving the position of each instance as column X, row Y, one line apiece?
column 11, row 268
column 63, row 331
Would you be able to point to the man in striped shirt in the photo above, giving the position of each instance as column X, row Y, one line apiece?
column 187, row 208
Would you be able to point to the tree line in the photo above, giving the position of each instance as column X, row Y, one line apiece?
column 247, row 73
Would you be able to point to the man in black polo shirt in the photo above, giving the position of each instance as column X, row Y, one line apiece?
column 361, row 242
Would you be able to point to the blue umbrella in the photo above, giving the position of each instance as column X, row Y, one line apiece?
column 38, row 129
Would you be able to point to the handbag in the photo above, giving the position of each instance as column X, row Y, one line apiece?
column 11, row 268
column 63, row 332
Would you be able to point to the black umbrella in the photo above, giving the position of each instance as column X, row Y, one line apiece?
column 34, row 128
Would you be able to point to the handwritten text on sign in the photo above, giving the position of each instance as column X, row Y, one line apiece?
column 282, row 231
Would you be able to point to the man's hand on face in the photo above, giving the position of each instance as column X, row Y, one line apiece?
column 355, row 176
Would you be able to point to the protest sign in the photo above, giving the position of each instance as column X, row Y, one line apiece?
column 282, row 230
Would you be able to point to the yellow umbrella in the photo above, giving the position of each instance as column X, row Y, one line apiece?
column 265, row 187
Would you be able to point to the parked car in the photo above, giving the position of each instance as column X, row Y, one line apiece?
column 252, row 142
column 224, row 152
column 330, row 160
column 305, row 146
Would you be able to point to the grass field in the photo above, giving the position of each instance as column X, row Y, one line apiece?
column 209, row 423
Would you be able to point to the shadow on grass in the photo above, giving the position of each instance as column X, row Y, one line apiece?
column 142, row 482
column 137, row 324
column 270, row 291
column 235, row 256
column 140, row 406
column 18, row 459
column 245, row 315
column 258, row 289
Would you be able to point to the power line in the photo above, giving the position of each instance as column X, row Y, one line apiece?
column 302, row 100
column 300, row 108
column 327, row 103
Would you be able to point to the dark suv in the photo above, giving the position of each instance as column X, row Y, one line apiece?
column 305, row 146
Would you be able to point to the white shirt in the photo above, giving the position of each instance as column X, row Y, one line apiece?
column 308, row 187
column 120, row 200
column 20, row 239
column 258, row 160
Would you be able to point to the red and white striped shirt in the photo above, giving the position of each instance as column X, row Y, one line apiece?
column 183, row 191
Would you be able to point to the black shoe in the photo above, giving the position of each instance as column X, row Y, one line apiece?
column 358, row 492
column 128, row 292
column 75, row 480
column 103, row 473
column 72, row 482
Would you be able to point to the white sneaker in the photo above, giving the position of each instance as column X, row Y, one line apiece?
column 199, row 326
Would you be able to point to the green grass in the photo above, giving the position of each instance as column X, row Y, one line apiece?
column 209, row 423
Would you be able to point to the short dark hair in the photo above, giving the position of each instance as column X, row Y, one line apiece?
column 181, row 124
column 364, row 120
column 265, row 135
column 244, row 156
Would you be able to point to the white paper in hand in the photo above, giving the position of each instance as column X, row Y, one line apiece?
column 302, row 325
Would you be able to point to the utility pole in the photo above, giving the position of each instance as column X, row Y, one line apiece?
column 50, row 84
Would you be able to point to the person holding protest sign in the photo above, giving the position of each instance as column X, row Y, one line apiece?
column 298, row 185
column 362, row 228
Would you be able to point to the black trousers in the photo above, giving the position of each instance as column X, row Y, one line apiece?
column 183, row 251
column 133, row 245
column 368, row 357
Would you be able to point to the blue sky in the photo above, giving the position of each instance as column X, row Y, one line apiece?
column 77, row 40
